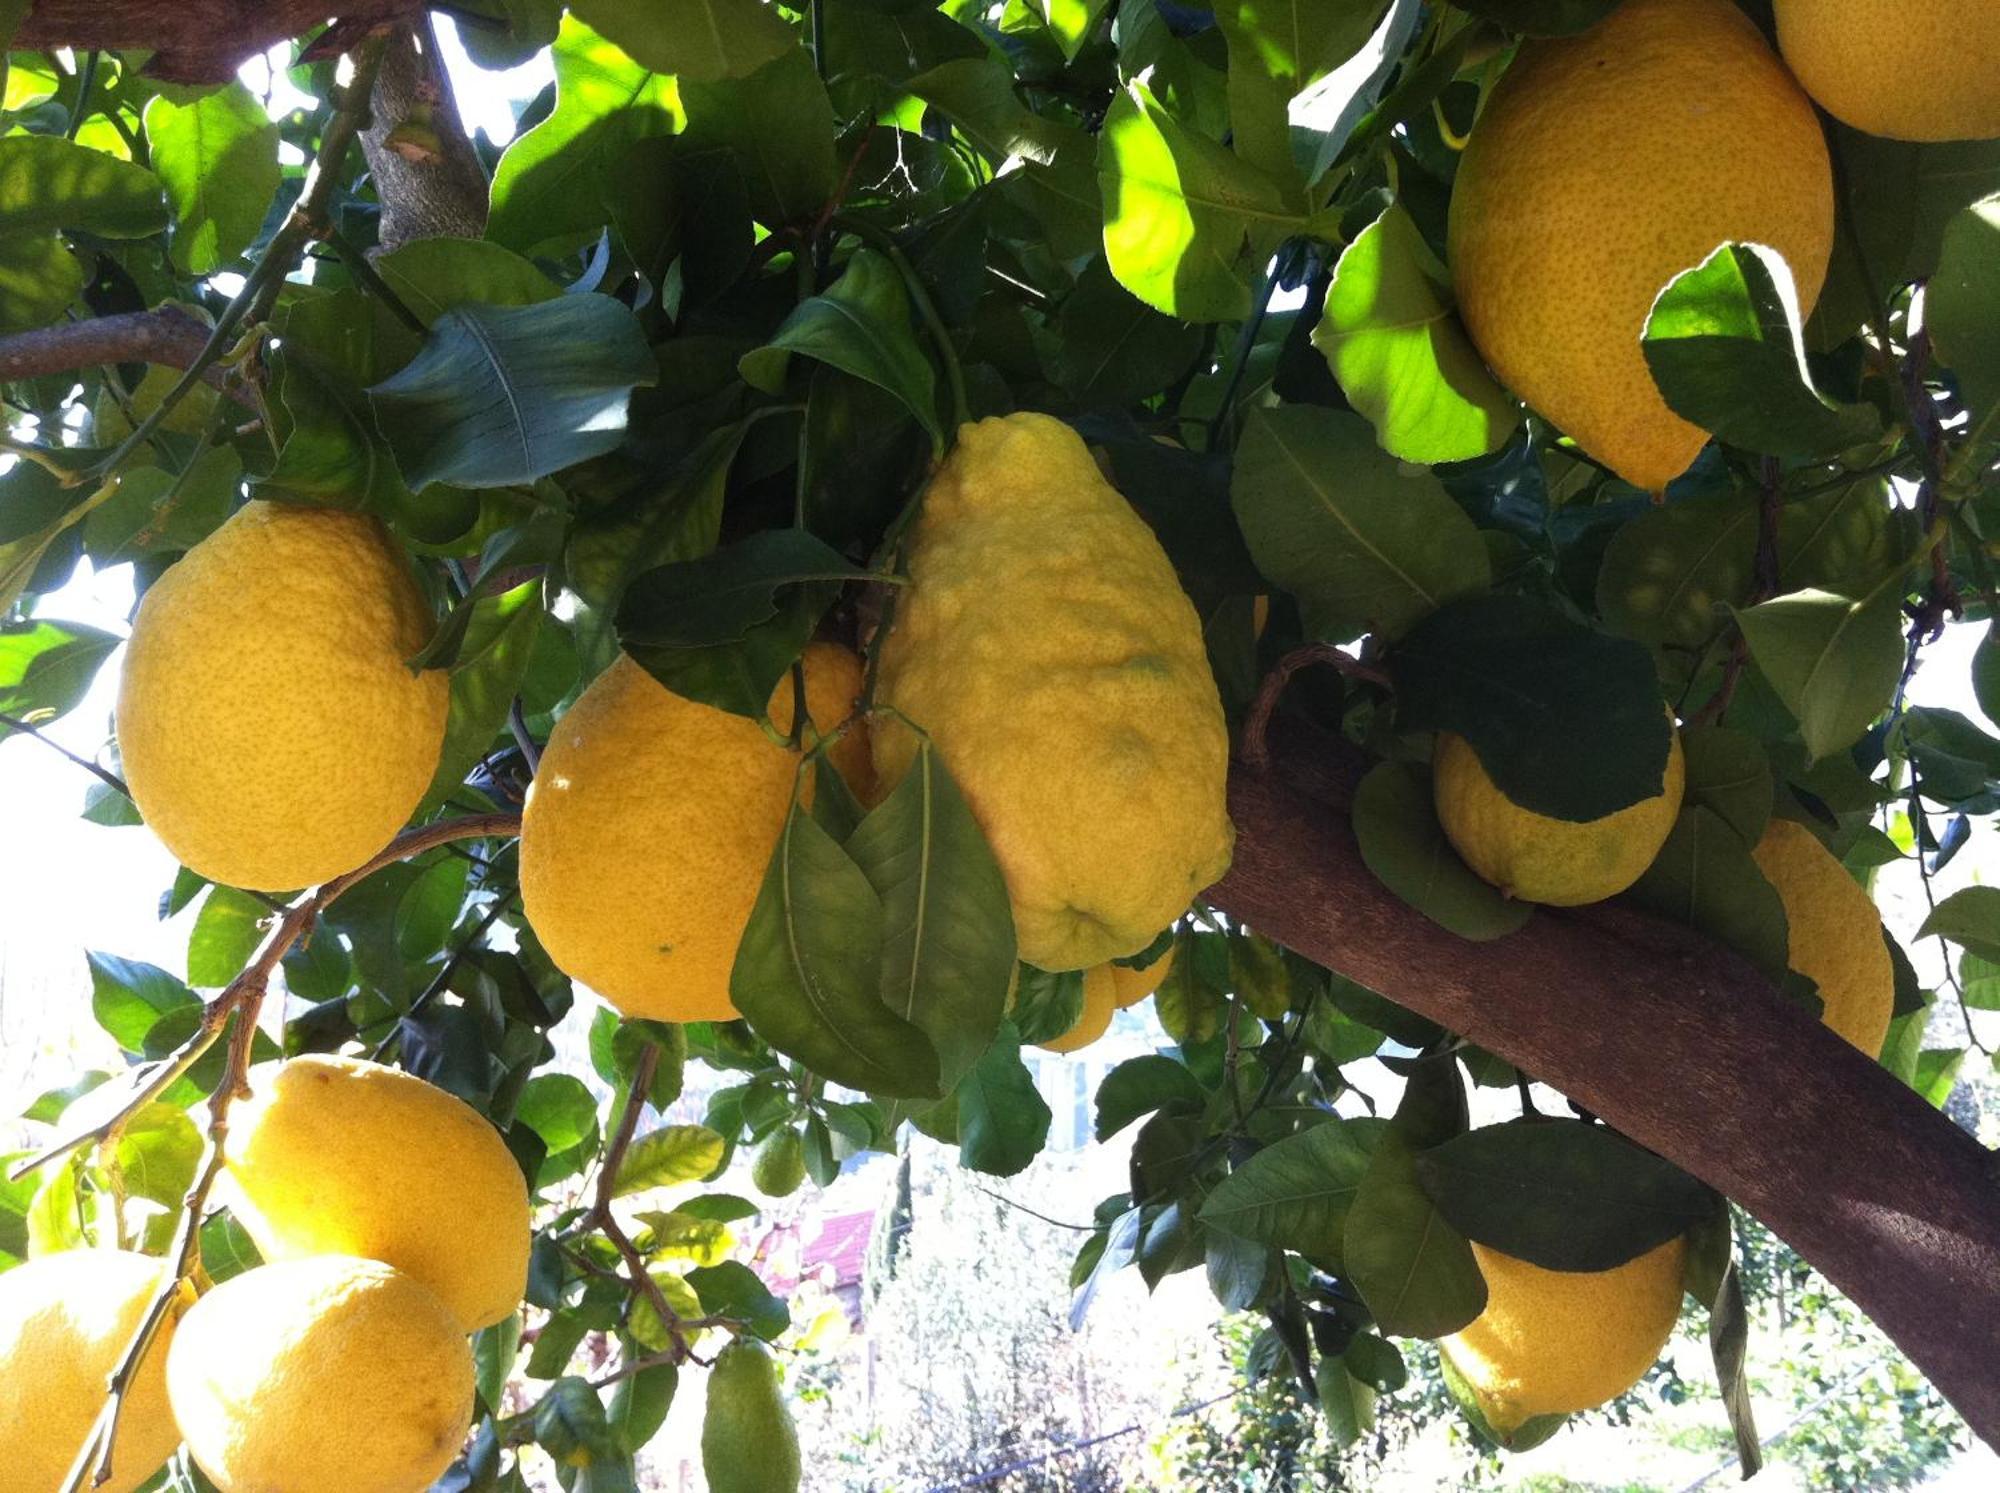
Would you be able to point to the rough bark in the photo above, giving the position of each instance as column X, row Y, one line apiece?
column 192, row 41
column 427, row 175
column 1677, row 1043
column 165, row 335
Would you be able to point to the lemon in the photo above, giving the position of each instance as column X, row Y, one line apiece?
column 1835, row 936
column 1554, row 1341
column 1564, row 863
column 271, row 733
column 321, row 1374
column 1602, row 166
column 1907, row 69
column 748, row 1441
column 65, row 1321
column 648, row 829
column 780, row 1164
column 1134, row 985
column 1047, row 647
column 1100, row 1004
column 333, row 1155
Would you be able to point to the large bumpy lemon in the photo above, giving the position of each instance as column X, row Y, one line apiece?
column 1555, row 1341
column 1100, row 1004
column 1561, row 862
column 748, row 1441
column 1835, row 936
column 1603, row 166
column 1907, row 69
column 1134, row 985
column 1047, row 647
column 271, row 732
column 649, row 827
column 65, row 1321
column 328, row 1373
column 335, row 1156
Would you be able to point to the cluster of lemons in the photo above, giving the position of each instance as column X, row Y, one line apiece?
column 392, row 1221
column 1558, row 251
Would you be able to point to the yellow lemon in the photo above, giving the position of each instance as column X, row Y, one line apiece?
column 65, row 1321
column 1564, row 863
column 1907, row 69
column 271, row 733
column 336, row 1156
column 1134, row 985
column 1602, row 166
column 648, row 830
column 1100, row 1004
column 327, row 1373
column 1555, row 1341
column 1835, row 933
column 1047, row 647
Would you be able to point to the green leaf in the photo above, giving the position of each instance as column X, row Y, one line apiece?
column 1389, row 333
column 435, row 275
column 1112, row 349
column 492, row 660
column 38, row 279
column 1970, row 918
column 218, row 157
column 1962, row 314
column 778, row 124
column 1566, row 721
column 1834, row 660
column 46, row 668
column 861, row 325
column 156, row 1156
column 639, row 1406
column 1277, row 52
column 47, row 183
column 1405, row 847
column 558, row 1108
column 669, row 1155
column 1561, row 1194
column 1003, row 1121
column 948, row 929
column 501, row 395
column 1705, row 878
column 1729, row 773
column 1186, row 222
column 226, row 933
column 699, row 41
column 1413, row 1269
column 808, row 973
column 1377, row 1362
column 1725, row 344
column 1346, row 1402
column 732, row 1289
column 129, row 999
column 1364, row 545
column 551, row 187
column 429, row 908
column 1296, row 1193
column 1139, row 1086
column 1671, row 574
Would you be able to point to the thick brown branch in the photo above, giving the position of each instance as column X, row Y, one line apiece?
column 1679, row 1044
column 192, row 41
column 427, row 175
column 166, row 335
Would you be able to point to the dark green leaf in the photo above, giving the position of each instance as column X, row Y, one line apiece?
column 948, row 929
column 1111, row 348
column 1566, row 721
column 1729, row 773
column 732, row 1289
column 1139, row 1086
column 501, row 395
column 1364, row 544
column 1962, row 314
column 1970, row 918
column 1003, row 1122
column 778, row 124
column 1405, row 847
column 808, row 974
column 1670, row 576
column 129, row 998
column 699, row 41
column 1725, row 344
column 493, row 657
column 1415, row 1271
column 1704, row 877
column 1297, row 1193
column 1561, row 1194
column 1834, row 660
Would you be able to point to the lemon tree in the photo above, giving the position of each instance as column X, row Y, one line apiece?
column 869, row 537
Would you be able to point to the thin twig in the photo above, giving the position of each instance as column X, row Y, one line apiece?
column 442, row 978
column 1054, row 1223
column 1257, row 725
column 103, row 774
column 531, row 751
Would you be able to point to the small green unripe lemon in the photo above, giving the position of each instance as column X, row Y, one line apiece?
column 748, row 1441
column 780, row 1164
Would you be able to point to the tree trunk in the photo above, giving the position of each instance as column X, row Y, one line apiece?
column 1676, row 1042
column 427, row 175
